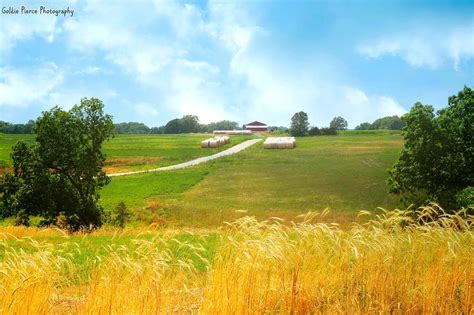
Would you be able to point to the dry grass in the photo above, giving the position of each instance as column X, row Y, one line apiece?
column 391, row 264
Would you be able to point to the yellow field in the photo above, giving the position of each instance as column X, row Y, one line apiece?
column 390, row 264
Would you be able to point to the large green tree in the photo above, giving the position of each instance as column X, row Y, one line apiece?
column 338, row 123
column 299, row 124
column 58, row 177
column 437, row 162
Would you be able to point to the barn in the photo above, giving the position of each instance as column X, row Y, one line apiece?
column 256, row 126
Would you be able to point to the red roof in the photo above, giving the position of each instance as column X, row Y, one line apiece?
column 256, row 123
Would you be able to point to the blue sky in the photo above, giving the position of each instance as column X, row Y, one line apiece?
column 152, row 61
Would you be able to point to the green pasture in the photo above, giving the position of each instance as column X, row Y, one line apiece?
column 6, row 143
column 345, row 173
column 136, row 152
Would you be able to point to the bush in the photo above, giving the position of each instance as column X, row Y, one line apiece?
column 120, row 215
column 328, row 131
column 314, row 131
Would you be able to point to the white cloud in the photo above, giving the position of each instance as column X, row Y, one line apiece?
column 20, row 88
column 425, row 48
column 14, row 28
column 245, row 82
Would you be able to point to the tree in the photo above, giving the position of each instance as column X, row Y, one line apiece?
column 172, row 127
column 121, row 215
column 132, row 128
column 338, row 123
column 314, row 131
column 220, row 125
column 328, row 131
column 189, row 123
column 59, row 175
column 388, row 123
column 437, row 162
column 157, row 130
column 363, row 126
column 299, row 124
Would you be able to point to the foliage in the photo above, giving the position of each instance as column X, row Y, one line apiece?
column 157, row 130
column 220, row 125
column 172, row 127
column 465, row 198
column 132, row 128
column 388, row 123
column 328, row 131
column 363, row 126
column 314, row 131
column 338, row 123
column 299, row 124
column 189, row 123
column 6, row 127
column 121, row 215
column 61, row 173
column 278, row 129
column 437, row 162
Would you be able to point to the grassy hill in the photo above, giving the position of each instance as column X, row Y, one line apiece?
column 135, row 152
column 345, row 173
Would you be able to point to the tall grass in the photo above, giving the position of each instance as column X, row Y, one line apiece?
column 403, row 261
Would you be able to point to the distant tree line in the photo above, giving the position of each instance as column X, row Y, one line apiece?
column 190, row 123
column 6, row 127
column 388, row 123
column 300, row 126
column 185, row 124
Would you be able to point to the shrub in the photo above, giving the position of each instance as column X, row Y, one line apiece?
column 120, row 215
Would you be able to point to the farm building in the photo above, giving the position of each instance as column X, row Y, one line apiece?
column 256, row 126
column 233, row 132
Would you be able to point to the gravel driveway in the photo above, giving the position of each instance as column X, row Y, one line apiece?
column 237, row 148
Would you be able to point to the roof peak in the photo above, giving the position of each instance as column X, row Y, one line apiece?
column 256, row 123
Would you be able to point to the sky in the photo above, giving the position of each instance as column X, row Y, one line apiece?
column 154, row 60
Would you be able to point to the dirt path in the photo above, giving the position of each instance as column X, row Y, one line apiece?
column 236, row 148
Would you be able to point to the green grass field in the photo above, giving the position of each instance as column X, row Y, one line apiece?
column 139, row 152
column 136, row 152
column 345, row 173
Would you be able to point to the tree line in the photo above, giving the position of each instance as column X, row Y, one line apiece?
column 185, row 124
column 300, row 126
column 190, row 123
column 6, row 127
column 388, row 123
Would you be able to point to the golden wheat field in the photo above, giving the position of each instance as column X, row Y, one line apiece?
column 392, row 264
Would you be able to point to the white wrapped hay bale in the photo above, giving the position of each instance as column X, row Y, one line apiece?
column 279, row 143
column 205, row 143
column 215, row 142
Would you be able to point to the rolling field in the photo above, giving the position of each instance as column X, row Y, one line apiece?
column 345, row 173
column 141, row 152
column 136, row 152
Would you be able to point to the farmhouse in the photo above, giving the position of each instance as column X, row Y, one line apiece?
column 256, row 126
